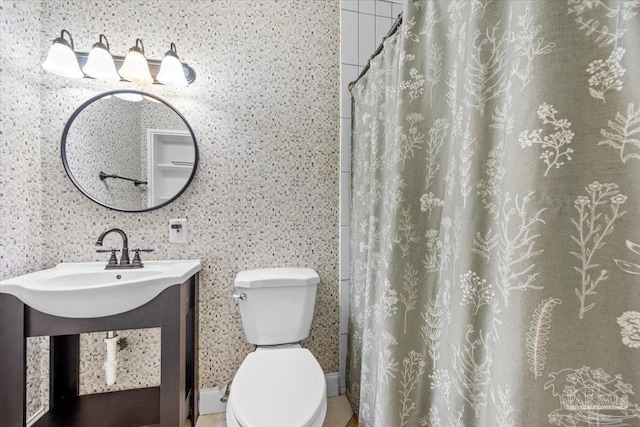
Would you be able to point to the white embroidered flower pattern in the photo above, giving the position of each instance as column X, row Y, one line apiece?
column 556, row 153
column 630, row 328
column 606, row 74
column 430, row 201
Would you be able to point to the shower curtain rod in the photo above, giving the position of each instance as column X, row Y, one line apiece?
column 391, row 32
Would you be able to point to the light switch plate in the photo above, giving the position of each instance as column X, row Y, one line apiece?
column 178, row 230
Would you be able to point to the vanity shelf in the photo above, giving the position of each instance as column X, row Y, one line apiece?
column 184, row 167
column 124, row 408
column 174, row 311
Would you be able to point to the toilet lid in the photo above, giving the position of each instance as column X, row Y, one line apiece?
column 278, row 388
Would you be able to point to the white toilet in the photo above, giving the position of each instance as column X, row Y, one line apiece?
column 280, row 384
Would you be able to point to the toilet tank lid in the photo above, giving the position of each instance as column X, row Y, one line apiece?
column 277, row 277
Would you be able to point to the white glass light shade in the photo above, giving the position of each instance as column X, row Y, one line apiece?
column 135, row 68
column 100, row 65
column 171, row 72
column 62, row 61
column 131, row 97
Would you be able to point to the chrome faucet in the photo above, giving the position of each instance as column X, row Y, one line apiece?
column 124, row 258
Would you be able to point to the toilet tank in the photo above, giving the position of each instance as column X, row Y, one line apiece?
column 279, row 303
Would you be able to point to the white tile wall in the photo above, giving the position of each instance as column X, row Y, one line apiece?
column 348, row 73
column 345, row 144
column 367, row 6
column 366, row 37
column 383, row 8
column 363, row 25
column 345, row 255
column 348, row 43
column 382, row 25
column 349, row 5
column 345, row 201
column 343, row 363
column 396, row 8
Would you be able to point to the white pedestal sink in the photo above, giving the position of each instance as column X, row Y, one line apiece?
column 86, row 290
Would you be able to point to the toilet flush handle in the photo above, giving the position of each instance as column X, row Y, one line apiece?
column 242, row 296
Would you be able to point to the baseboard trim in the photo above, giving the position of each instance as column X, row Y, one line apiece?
column 210, row 400
column 210, row 397
column 35, row 417
column 333, row 384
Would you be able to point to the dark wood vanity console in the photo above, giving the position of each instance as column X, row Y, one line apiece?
column 175, row 311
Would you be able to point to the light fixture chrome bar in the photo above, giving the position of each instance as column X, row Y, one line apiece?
column 154, row 66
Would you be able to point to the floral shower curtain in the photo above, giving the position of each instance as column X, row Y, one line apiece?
column 495, row 244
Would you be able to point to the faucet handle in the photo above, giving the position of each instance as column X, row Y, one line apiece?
column 136, row 258
column 113, row 260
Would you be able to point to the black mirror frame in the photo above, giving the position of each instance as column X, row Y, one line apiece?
column 63, row 151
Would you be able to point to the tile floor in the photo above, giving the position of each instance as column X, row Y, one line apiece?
column 339, row 414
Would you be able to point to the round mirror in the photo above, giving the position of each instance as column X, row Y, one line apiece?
column 129, row 151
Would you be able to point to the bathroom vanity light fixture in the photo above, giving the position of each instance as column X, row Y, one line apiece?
column 101, row 65
column 61, row 59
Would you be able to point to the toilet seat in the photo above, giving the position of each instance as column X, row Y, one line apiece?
column 279, row 387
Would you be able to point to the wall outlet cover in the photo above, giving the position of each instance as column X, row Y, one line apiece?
column 178, row 230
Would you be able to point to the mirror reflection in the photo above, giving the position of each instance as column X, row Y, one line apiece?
column 129, row 151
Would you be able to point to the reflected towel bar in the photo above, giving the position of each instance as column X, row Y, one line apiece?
column 136, row 182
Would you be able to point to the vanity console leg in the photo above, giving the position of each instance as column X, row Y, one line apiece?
column 173, row 408
column 192, row 350
column 64, row 368
column 13, row 362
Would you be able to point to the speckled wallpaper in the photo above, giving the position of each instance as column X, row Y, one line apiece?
column 264, row 109
column 21, row 224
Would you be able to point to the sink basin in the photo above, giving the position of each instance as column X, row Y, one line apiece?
column 86, row 289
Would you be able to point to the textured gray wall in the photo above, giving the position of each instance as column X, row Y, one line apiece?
column 21, row 226
column 264, row 108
